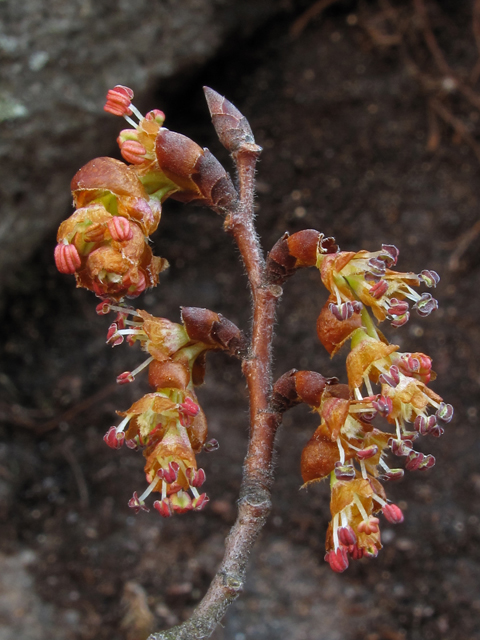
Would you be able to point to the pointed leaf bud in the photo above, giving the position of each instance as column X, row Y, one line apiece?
column 120, row 229
column 67, row 259
column 232, row 128
column 393, row 513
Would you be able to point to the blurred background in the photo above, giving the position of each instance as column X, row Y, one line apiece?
column 369, row 116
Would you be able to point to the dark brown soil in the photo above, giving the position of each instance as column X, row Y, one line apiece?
column 344, row 128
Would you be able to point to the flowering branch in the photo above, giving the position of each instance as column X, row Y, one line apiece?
column 104, row 244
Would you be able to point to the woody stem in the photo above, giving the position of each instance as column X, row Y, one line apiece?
column 254, row 503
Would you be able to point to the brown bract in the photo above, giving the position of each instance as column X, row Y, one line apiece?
column 195, row 170
column 164, row 337
column 333, row 333
column 105, row 174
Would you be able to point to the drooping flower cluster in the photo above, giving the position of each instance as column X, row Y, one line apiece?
column 350, row 446
column 168, row 424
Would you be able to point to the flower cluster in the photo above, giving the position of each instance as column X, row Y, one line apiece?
column 350, row 446
column 105, row 242
column 168, row 424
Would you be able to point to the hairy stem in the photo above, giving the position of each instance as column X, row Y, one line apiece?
column 254, row 503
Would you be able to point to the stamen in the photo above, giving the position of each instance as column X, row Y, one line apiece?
column 131, row 122
column 379, row 500
column 360, row 507
column 336, row 544
column 358, row 394
column 136, row 111
column 123, row 424
column 364, row 470
column 341, row 450
column 142, row 366
column 149, row 489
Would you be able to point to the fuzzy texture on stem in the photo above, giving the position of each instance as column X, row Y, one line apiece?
column 254, row 503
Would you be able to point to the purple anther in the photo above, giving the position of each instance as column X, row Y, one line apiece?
column 355, row 552
column 342, row 311
column 170, row 475
column 164, row 507
column 425, row 305
column 409, row 435
column 195, row 478
column 338, row 560
column 400, row 447
column 400, row 320
column 391, row 256
column 414, row 460
column 344, row 471
column 445, row 412
column 371, row 551
column 132, row 443
column 125, row 378
column 383, row 405
column 357, row 306
column 393, row 513
column 189, row 408
column 113, row 337
column 379, row 289
column 346, row 535
column 427, row 463
column 392, row 475
column 429, row 277
column 398, row 307
column 437, row 431
column 113, row 439
column 392, row 378
column 211, row 445
column 424, row 424
column 368, row 416
column 368, row 452
column 377, row 267
column 201, row 502
column 103, row 307
column 135, row 504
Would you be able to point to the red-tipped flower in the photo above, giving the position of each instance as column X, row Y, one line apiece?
column 113, row 439
column 164, row 507
column 67, row 258
column 133, row 151
column 338, row 560
column 118, row 101
column 120, row 229
column 393, row 513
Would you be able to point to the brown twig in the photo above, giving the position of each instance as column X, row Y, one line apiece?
column 315, row 10
column 463, row 242
column 456, row 124
column 254, row 503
